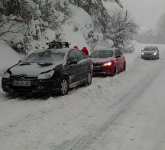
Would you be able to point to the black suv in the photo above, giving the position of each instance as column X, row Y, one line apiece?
column 150, row 52
column 50, row 70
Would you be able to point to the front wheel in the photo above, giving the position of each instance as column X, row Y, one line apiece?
column 114, row 71
column 89, row 78
column 64, row 87
column 124, row 68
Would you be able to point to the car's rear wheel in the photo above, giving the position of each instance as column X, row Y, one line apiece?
column 89, row 78
column 114, row 71
column 124, row 68
column 64, row 87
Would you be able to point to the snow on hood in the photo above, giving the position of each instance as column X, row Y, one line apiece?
column 33, row 69
column 101, row 60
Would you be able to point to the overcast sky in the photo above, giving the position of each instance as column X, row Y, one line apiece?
column 146, row 12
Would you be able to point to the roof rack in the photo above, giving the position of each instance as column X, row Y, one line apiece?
column 57, row 45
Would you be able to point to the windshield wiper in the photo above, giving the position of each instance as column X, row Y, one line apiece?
column 45, row 63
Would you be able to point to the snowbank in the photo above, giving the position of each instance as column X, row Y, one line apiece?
column 77, row 28
column 8, row 57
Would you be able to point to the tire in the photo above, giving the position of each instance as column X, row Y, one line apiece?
column 114, row 72
column 124, row 69
column 89, row 79
column 64, row 87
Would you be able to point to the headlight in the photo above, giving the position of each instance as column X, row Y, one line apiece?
column 142, row 53
column 46, row 75
column 108, row 64
column 155, row 53
column 6, row 75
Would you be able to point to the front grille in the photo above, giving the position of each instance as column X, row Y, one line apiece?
column 22, row 77
column 148, row 54
column 97, row 64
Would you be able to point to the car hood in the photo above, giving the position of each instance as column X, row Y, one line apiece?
column 101, row 60
column 33, row 69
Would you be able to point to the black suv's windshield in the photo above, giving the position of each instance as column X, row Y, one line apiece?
column 47, row 56
column 102, row 54
column 149, row 49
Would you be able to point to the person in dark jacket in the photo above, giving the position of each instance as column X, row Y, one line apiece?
column 85, row 50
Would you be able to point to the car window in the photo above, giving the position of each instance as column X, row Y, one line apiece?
column 72, row 56
column 102, row 54
column 80, row 55
column 150, row 48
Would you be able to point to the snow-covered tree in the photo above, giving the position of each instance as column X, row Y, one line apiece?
column 122, row 27
column 161, row 24
column 8, row 24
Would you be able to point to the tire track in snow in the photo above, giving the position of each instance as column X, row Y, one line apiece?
column 83, row 142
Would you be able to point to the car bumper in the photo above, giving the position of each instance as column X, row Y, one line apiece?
column 37, row 86
column 103, row 70
column 149, row 56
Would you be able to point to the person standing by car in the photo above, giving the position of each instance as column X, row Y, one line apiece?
column 85, row 50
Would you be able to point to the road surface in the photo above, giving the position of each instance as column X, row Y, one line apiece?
column 124, row 112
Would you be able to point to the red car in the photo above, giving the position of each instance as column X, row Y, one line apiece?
column 108, row 61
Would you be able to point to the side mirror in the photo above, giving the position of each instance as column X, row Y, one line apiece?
column 72, row 62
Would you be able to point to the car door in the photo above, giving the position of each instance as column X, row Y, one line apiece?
column 84, row 64
column 74, row 69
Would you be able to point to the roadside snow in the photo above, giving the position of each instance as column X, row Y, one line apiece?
column 8, row 57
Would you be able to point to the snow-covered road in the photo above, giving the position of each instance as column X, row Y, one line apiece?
column 141, row 124
column 124, row 112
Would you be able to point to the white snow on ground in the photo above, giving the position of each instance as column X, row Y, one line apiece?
column 81, row 118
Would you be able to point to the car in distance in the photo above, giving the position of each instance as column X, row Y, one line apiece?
column 50, row 70
column 150, row 52
column 108, row 61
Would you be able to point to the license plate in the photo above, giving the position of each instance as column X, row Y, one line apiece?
column 21, row 83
